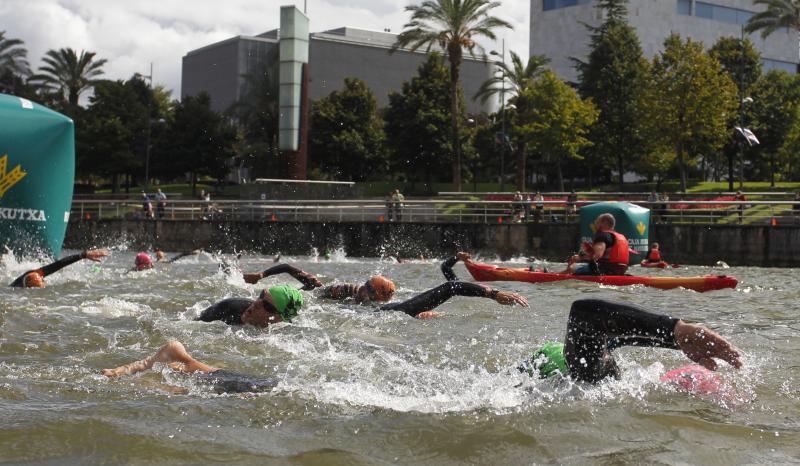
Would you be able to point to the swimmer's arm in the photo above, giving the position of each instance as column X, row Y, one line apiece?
column 308, row 280
column 447, row 269
column 436, row 296
column 184, row 254
column 624, row 324
column 91, row 254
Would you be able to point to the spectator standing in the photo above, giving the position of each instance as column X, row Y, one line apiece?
column 652, row 203
column 147, row 206
column 539, row 200
column 161, row 203
column 572, row 203
column 398, row 200
column 741, row 198
column 389, row 200
column 526, row 205
column 664, row 199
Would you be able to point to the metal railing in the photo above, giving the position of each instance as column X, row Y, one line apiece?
column 430, row 211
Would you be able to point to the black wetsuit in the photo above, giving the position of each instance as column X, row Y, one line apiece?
column 447, row 269
column 225, row 381
column 50, row 268
column 298, row 274
column 436, row 296
column 596, row 327
column 228, row 310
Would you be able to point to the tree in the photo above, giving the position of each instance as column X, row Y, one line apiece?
column 776, row 98
column 517, row 77
column 416, row 123
column 779, row 14
column 68, row 74
column 554, row 120
column 615, row 77
column 13, row 57
column 199, row 141
column 346, row 135
column 690, row 101
column 112, row 137
column 452, row 25
column 742, row 62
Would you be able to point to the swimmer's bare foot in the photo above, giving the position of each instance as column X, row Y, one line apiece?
column 428, row 315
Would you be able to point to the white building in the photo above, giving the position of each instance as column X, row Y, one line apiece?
column 557, row 30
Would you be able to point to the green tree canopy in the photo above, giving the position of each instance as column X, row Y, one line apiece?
column 199, row 141
column 690, row 102
column 554, row 120
column 417, row 119
column 346, row 136
column 776, row 97
column 615, row 77
column 454, row 26
column 779, row 14
column 68, row 74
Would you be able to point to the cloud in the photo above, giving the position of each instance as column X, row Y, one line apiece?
column 132, row 34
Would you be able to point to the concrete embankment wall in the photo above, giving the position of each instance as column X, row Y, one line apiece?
column 761, row 245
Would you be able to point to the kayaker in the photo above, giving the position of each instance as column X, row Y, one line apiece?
column 596, row 327
column 609, row 251
column 174, row 355
column 35, row 278
column 654, row 255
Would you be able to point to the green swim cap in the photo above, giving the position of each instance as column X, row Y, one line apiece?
column 549, row 358
column 287, row 299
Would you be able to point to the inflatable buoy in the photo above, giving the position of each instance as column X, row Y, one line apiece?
column 694, row 379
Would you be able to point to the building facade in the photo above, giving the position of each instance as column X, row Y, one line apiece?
column 221, row 69
column 557, row 30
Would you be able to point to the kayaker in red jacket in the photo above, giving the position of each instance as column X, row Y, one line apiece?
column 609, row 253
column 654, row 256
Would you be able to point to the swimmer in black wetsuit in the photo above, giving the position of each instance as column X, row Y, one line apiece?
column 35, row 278
column 596, row 327
column 161, row 256
column 174, row 355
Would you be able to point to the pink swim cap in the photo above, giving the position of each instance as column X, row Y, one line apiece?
column 143, row 261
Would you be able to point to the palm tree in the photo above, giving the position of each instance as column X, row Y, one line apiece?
column 68, row 74
column 512, row 81
column 13, row 57
column 514, row 78
column 779, row 14
column 452, row 25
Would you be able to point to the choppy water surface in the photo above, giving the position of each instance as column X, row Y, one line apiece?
column 363, row 387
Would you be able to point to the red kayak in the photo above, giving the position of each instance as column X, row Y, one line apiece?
column 488, row 273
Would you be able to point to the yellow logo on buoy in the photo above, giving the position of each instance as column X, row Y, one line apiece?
column 9, row 179
column 641, row 227
column 593, row 227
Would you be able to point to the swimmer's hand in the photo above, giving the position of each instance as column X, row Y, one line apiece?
column 309, row 281
column 463, row 256
column 509, row 299
column 95, row 254
column 427, row 315
column 252, row 278
column 702, row 345
column 110, row 373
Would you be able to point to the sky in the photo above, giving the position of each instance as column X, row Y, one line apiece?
column 133, row 34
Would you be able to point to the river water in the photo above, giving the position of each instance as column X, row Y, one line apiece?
column 362, row 387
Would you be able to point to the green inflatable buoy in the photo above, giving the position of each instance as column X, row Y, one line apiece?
column 632, row 220
column 37, row 173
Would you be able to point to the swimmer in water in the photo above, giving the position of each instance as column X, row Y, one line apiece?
column 381, row 289
column 596, row 327
column 143, row 261
column 35, row 278
column 174, row 355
